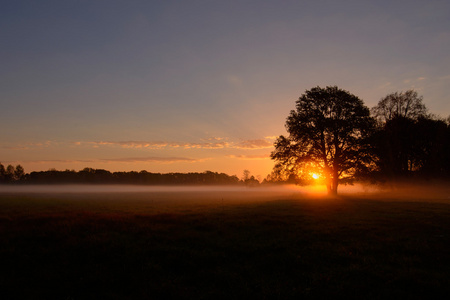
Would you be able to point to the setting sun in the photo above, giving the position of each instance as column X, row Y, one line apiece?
column 315, row 176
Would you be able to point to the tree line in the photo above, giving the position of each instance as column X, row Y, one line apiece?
column 17, row 174
column 11, row 173
column 332, row 133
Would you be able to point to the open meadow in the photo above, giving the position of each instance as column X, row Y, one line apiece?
column 222, row 243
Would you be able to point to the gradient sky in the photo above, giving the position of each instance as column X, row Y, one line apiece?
column 179, row 86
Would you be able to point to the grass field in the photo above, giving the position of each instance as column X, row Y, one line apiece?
column 223, row 245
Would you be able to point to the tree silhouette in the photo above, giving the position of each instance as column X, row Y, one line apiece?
column 408, row 141
column 249, row 179
column 100, row 176
column 245, row 175
column 394, row 145
column 2, row 172
column 404, row 105
column 407, row 147
column 327, row 135
column 9, row 174
column 19, row 173
column 432, row 150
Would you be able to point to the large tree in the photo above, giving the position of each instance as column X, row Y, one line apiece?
column 327, row 136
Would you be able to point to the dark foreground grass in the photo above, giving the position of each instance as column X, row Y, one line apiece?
column 198, row 246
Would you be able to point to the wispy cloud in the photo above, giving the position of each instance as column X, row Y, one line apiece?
column 130, row 144
column 413, row 80
column 246, row 157
column 28, row 146
column 165, row 160
column 210, row 143
column 159, row 144
column 271, row 137
column 254, row 144
column 44, row 161
column 206, row 145
column 16, row 147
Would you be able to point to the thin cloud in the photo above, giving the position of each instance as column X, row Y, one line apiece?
column 217, row 145
column 208, row 144
column 413, row 80
column 213, row 144
column 166, row 160
column 271, row 137
column 247, row 157
column 16, row 147
column 44, row 161
column 213, row 139
column 254, row 144
column 29, row 146
column 131, row 144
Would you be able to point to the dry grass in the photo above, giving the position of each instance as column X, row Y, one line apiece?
column 221, row 245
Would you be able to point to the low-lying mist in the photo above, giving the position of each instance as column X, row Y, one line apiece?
column 119, row 188
column 387, row 192
column 415, row 191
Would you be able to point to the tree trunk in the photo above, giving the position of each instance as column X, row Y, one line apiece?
column 329, row 184
column 334, row 184
column 329, row 188
column 334, row 187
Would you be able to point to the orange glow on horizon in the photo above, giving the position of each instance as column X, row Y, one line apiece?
column 311, row 190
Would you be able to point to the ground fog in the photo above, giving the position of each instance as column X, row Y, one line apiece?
column 400, row 192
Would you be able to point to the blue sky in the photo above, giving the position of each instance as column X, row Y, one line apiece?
column 198, row 85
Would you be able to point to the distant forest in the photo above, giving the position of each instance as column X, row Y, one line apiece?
column 17, row 175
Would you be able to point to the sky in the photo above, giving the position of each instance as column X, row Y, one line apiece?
column 189, row 86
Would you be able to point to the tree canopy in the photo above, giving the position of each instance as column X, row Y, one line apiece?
column 400, row 105
column 327, row 136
